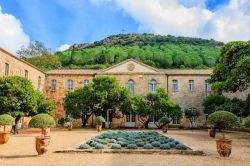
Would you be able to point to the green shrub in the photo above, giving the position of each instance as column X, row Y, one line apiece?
column 99, row 146
column 181, row 147
column 93, row 143
column 223, row 120
column 165, row 146
column 99, row 120
column 172, row 144
column 123, row 144
column 6, row 119
column 140, row 144
column 247, row 123
column 42, row 121
column 69, row 119
column 61, row 121
column 132, row 146
column 84, row 146
column 148, row 146
column 156, row 144
column 116, row 146
column 165, row 120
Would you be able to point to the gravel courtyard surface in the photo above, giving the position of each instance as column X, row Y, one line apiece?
column 20, row 150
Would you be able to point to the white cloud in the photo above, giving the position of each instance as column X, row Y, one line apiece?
column 190, row 18
column 63, row 47
column 12, row 36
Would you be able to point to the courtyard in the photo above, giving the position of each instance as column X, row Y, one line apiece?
column 20, row 150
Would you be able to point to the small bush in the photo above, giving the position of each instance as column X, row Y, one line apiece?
column 165, row 120
column 6, row 119
column 99, row 120
column 247, row 123
column 181, row 147
column 148, row 146
column 156, row 144
column 93, row 144
column 42, row 121
column 84, row 146
column 172, row 144
column 140, row 144
column 61, row 121
column 99, row 146
column 132, row 146
column 116, row 146
column 123, row 144
column 165, row 146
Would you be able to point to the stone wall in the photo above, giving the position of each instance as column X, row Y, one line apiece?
column 17, row 67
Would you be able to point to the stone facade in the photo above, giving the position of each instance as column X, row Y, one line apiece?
column 11, row 65
column 186, row 87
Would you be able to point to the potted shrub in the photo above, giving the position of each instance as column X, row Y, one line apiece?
column 5, row 120
column 165, row 122
column 223, row 120
column 99, row 120
column 69, row 123
column 42, row 121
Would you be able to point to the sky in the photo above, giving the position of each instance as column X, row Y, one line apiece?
column 61, row 23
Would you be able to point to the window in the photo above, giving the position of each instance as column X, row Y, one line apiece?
column 176, row 120
column 26, row 73
column 53, row 85
column 70, row 84
column 152, row 86
column 131, row 86
column 85, row 82
column 207, row 86
column 6, row 70
column 130, row 117
column 191, row 85
column 153, row 119
column 175, row 86
column 39, row 83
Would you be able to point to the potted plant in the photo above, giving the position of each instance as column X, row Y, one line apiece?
column 42, row 121
column 5, row 120
column 223, row 120
column 165, row 122
column 99, row 120
column 69, row 123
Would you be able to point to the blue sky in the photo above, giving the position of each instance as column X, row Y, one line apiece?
column 59, row 22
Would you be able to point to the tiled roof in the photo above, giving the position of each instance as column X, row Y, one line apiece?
column 73, row 71
column 186, row 72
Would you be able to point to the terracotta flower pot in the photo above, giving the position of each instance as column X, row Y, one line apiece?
column 42, row 144
column 70, row 127
column 165, row 128
column 4, row 137
column 98, row 128
column 211, row 132
column 224, row 147
column 46, row 131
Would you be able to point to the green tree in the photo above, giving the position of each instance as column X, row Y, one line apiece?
column 192, row 114
column 233, row 72
column 211, row 102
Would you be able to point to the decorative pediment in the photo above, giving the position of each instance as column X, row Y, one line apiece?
column 130, row 66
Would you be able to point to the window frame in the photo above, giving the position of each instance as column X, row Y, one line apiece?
column 131, row 87
column 53, row 85
column 70, row 84
column 191, row 87
column 153, row 86
column 6, row 69
column 175, row 85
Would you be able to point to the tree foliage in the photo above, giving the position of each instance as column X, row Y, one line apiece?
column 233, row 72
column 17, row 95
column 211, row 102
column 192, row 114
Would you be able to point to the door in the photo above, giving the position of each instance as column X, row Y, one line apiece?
column 130, row 120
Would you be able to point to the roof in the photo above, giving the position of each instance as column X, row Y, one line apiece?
column 19, row 59
column 186, row 71
column 73, row 72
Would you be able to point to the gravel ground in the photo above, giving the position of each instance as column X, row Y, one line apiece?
column 20, row 150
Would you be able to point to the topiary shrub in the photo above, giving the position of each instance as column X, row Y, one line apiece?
column 156, row 144
column 116, row 146
column 99, row 120
column 93, row 143
column 223, row 120
column 132, row 146
column 165, row 120
column 42, row 121
column 99, row 146
column 5, row 120
column 84, row 146
column 148, row 146
column 140, row 144
column 165, row 146
column 123, row 144
column 247, row 123
column 172, row 144
column 181, row 147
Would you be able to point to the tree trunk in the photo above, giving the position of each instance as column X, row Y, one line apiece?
column 146, row 124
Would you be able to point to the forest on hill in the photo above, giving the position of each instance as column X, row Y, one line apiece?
column 155, row 50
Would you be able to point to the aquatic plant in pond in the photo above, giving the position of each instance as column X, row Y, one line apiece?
column 133, row 140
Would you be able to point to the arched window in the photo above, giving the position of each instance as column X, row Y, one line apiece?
column 39, row 83
column 131, row 86
column 191, row 85
column 175, row 86
column 207, row 86
column 53, row 85
column 152, row 86
column 85, row 82
column 70, row 84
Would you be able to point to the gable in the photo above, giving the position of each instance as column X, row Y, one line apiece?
column 130, row 66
